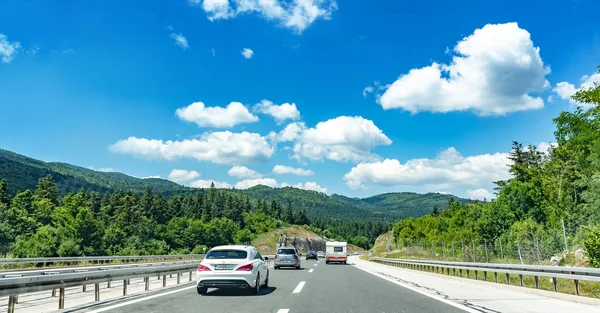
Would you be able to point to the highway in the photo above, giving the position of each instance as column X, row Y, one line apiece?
column 316, row 288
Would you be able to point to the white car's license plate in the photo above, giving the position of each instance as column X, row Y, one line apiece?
column 224, row 266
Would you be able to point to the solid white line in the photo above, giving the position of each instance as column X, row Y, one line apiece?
column 299, row 287
column 454, row 304
column 283, row 311
column 310, row 271
column 140, row 300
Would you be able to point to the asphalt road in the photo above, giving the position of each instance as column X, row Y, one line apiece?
column 316, row 288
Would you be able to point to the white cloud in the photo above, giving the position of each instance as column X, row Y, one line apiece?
column 247, row 53
column 296, row 15
column 307, row 186
column 443, row 192
column 206, row 184
column 291, row 132
column 215, row 9
column 545, row 146
column 368, row 90
column 565, row 90
column 216, row 147
column 492, row 72
column 183, row 176
column 151, row 176
column 243, row 172
column 281, row 170
column 279, row 112
column 103, row 169
column 32, row 51
column 8, row 49
column 550, row 99
column 235, row 113
column 245, row 184
column 448, row 170
column 341, row 139
column 480, row 194
column 180, row 40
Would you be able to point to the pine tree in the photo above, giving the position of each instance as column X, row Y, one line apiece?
column 4, row 197
column 47, row 189
column 289, row 214
column 435, row 211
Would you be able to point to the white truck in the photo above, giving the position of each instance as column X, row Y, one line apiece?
column 336, row 251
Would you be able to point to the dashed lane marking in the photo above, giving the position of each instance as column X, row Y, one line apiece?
column 299, row 287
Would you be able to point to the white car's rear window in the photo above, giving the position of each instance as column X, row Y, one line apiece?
column 227, row 254
column 338, row 249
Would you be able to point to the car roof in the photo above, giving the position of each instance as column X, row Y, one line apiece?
column 233, row 247
column 286, row 247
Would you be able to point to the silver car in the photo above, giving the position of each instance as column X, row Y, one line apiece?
column 287, row 257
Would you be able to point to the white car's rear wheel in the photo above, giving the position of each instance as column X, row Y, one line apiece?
column 266, row 284
column 201, row 290
column 257, row 286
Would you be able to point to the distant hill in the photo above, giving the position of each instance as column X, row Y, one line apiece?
column 401, row 204
column 23, row 173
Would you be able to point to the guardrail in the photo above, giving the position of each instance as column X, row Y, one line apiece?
column 100, row 259
column 17, row 284
column 573, row 273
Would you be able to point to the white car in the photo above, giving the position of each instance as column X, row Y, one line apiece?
column 232, row 267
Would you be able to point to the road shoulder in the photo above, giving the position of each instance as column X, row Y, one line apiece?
column 477, row 295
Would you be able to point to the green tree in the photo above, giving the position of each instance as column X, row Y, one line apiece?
column 47, row 189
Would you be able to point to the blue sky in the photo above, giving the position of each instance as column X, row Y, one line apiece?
column 411, row 95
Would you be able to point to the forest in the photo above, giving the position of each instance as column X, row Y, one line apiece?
column 41, row 223
column 547, row 190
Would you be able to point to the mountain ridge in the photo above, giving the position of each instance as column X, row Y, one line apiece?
column 23, row 173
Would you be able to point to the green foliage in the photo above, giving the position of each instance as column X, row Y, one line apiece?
column 592, row 245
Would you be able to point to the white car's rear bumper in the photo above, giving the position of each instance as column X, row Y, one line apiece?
column 226, row 279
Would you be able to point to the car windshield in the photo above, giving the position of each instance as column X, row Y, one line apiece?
column 226, row 254
column 311, row 252
column 286, row 251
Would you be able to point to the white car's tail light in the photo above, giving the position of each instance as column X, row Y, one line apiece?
column 247, row 267
column 202, row 268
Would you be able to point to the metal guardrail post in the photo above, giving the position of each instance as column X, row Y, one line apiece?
column 53, row 293
column 576, row 287
column 496, row 276
column 507, row 279
column 190, row 275
column 97, row 292
column 61, row 298
column 124, row 287
column 108, row 284
column 555, row 283
column 11, row 304
column 537, row 282
column 521, row 279
column 164, row 280
column 83, row 288
column 178, row 278
column 146, row 283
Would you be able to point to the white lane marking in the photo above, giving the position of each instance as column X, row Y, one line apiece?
column 283, row 311
column 454, row 304
column 310, row 271
column 140, row 300
column 299, row 287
